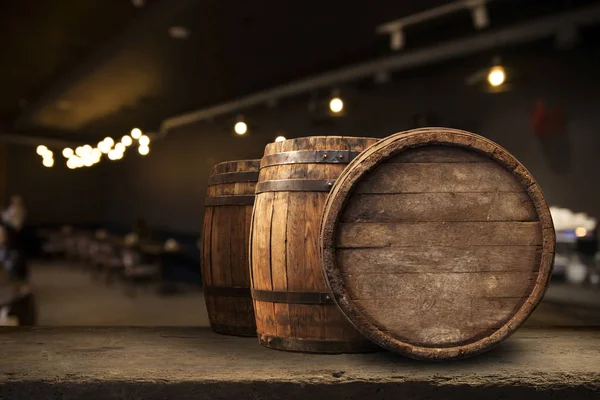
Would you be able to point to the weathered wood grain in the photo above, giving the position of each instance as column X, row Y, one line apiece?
column 285, row 254
column 225, row 258
column 388, row 234
column 420, row 259
column 415, row 207
column 439, row 177
column 436, row 243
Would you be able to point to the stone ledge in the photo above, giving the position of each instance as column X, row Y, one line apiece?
column 191, row 363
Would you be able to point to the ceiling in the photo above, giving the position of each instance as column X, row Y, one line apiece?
column 87, row 68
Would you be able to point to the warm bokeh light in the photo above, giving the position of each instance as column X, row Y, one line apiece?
column 67, row 152
column 109, row 141
column 104, row 147
column 96, row 154
column 41, row 150
column 136, row 133
column 280, row 139
column 87, row 149
column 580, row 231
column 336, row 105
column 144, row 140
column 240, row 128
column 49, row 154
column 113, row 155
column 127, row 140
column 120, row 147
column 48, row 162
column 79, row 151
column 71, row 163
column 496, row 76
column 88, row 160
column 143, row 150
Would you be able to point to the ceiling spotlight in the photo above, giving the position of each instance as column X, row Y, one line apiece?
column 67, row 152
column 144, row 140
column 136, row 133
column 143, row 150
column 120, row 147
column 41, row 150
column 126, row 140
column 336, row 105
column 240, row 128
column 479, row 14
column 280, row 139
column 48, row 162
column 496, row 76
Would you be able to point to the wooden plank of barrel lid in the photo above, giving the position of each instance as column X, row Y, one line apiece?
column 225, row 236
column 293, row 308
column 437, row 243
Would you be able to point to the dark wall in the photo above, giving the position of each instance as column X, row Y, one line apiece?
column 167, row 187
column 55, row 195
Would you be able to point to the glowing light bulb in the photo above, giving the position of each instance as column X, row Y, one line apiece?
column 580, row 231
column 48, row 162
column 144, row 140
column 109, row 141
column 96, row 154
column 336, row 105
column 79, row 151
column 68, row 152
column 49, row 154
column 126, row 140
column 87, row 149
column 280, row 139
column 120, row 147
column 71, row 163
column 104, row 147
column 496, row 76
column 240, row 128
column 136, row 133
column 41, row 150
column 144, row 150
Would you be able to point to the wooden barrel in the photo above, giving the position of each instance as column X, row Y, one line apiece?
column 227, row 216
column 437, row 243
column 293, row 308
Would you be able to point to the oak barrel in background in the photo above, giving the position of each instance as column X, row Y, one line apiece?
column 294, row 310
column 437, row 243
column 225, row 237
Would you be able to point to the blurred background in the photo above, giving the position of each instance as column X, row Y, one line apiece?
column 113, row 112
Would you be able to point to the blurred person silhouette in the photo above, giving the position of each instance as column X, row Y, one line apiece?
column 15, row 213
column 14, row 218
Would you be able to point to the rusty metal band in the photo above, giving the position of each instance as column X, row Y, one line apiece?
column 317, row 345
column 295, row 185
column 292, row 297
column 227, row 291
column 233, row 177
column 234, row 330
column 230, row 200
column 309, row 157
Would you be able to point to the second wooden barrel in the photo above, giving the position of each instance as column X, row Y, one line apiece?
column 437, row 243
column 225, row 236
column 294, row 310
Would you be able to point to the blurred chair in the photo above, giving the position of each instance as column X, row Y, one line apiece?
column 138, row 270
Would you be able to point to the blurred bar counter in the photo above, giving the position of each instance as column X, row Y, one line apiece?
column 194, row 363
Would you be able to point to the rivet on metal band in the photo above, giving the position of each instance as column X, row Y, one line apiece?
column 295, row 185
column 292, row 297
column 309, row 157
column 233, row 177
column 230, row 200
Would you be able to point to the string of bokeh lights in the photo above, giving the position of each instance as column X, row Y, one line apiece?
column 87, row 156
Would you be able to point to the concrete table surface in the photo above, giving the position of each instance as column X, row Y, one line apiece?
column 194, row 363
